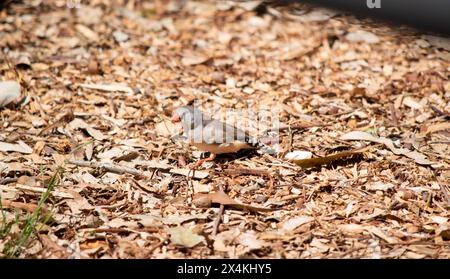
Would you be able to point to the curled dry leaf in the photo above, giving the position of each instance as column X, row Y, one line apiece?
column 251, row 241
column 433, row 128
column 315, row 162
column 119, row 87
column 416, row 156
column 20, row 147
column 317, row 14
column 87, row 32
column 362, row 36
column 188, row 172
column 380, row 186
column 205, row 200
column 9, row 91
column 190, row 59
column 298, row 155
column 295, row 222
column 96, row 134
column 440, row 42
column 66, row 118
column 184, row 237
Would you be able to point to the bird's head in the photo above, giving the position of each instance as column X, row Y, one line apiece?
column 189, row 116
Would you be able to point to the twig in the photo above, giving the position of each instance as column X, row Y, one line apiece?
column 8, row 180
column 54, row 193
column 66, row 118
column 219, row 215
column 446, row 194
column 294, row 127
column 240, row 171
column 108, row 167
column 30, row 207
column 161, row 242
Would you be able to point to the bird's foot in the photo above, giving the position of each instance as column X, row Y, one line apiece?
column 201, row 161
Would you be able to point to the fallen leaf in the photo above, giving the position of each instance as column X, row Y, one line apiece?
column 9, row 91
column 436, row 127
column 378, row 232
column 416, row 156
column 193, row 59
column 188, row 172
column 250, row 241
column 318, row 14
column 120, row 36
column 201, row 188
column 179, row 219
column 295, row 222
column 440, row 42
column 184, row 237
column 87, row 33
column 120, row 87
column 77, row 123
column 298, row 155
column 165, row 128
column 352, row 228
column 410, row 102
column 315, row 162
column 362, row 36
column 205, row 200
column 379, row 186
column 20, row 147
column 439, row 219
column 66, row 118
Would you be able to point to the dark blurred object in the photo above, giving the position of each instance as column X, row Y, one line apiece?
column 432, row 15
column 5, row 3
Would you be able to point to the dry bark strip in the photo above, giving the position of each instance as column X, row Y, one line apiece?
column 29, row 207
column 123, row 170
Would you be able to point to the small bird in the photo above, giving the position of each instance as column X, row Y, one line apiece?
column 211, row 135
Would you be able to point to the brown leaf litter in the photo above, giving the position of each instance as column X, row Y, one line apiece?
column 95, row 96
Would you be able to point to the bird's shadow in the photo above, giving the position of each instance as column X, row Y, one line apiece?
column 230, row 157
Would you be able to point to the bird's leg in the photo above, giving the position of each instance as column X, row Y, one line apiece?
column 201, row 161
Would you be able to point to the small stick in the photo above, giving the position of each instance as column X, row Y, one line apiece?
column 219, row 215
column 108, row 167
column 54, row 193
column 30, row 207
column 299, row 126
column 8, row 180
column 153, row 248
column 240, row 171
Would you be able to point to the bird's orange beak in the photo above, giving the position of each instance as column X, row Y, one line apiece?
column 175, row 118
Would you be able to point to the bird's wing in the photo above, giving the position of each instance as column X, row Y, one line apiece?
column 217, row 132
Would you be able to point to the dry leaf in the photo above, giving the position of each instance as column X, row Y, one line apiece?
column 433, row 128
column 86, row 32
column 251, row 241
column 193, row 59
column 205, row 200
column 315, row 162
column 119, row 87
column 352, row 228
column 380, row 186
column 9, row 91
column 295, row 222
column 317, row 14
column 362, row 36
column 20, row 147
column 184, row 237
column 440, row 42
column 188, row 172
column 416, row 156
column 298, row 155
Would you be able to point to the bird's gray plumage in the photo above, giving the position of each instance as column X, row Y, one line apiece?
column 201, row 128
